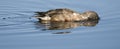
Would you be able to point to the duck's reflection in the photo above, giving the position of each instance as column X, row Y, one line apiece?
column 67, row 32
column 47, row 25
column 65, row 25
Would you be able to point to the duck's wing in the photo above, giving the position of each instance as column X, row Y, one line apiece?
column 60, row 11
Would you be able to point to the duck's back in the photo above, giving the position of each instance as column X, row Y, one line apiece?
column 59, row 11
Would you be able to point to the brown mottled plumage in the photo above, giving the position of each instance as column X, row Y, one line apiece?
column 65, row 14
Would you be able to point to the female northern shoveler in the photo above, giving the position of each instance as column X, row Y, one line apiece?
column 65, row 14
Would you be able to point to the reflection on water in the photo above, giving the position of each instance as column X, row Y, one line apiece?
column 65, row 25
column 62, row 32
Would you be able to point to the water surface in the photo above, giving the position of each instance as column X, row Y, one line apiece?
column 20, row 30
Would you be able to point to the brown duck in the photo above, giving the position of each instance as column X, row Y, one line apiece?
column 65, row 14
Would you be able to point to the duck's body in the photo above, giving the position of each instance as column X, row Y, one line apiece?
column 66, row 15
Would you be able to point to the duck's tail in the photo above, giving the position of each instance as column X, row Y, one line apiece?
column 40, row 13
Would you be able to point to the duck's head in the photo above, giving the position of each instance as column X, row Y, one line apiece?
column 91, row 15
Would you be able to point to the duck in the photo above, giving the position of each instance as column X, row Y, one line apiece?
column 66, row 15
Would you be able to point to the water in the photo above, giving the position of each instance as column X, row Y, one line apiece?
column 20, row 30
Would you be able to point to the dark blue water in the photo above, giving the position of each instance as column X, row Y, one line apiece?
column 20, row 30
